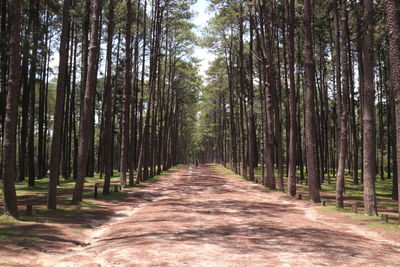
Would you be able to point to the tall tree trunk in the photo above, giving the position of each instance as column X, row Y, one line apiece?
column 3, row 72
column 368, row 114
column 59, row 109
column 126, row 96
column 354, row 126
column 73, row 136
column 392, row 8
column 232, row 118
column 25, row 103
column 32, row 85
column 292, row 99
column 10, row 121
column 135, row 89
column 85, row 50
column 344, row 103
column 251, row 124
column 109, row 140
column 309, row 103
column 87, row 118
column 242, row 95
column 140, row 170
column 42, row 93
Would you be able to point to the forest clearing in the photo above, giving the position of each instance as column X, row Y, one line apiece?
column 199, row 132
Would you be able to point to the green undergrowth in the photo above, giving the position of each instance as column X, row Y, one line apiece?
column 10, row 227
column 10, row 232
column 353, row 196
column 66, row 186
column 369, row 221
column 41, row 185
column 224, row 171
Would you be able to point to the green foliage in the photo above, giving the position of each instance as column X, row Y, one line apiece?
column 211, row 95
column 224, row 171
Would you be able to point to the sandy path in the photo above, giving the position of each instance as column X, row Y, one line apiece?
column 197, row 218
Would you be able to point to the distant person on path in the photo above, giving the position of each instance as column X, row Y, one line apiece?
column 197, row 163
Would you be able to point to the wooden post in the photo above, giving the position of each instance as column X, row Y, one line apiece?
column 354, row 208
column 29, row 210
column 323, row 203
column 95, row 190
column 385, row 217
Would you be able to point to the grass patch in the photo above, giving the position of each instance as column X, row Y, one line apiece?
column 4, row 218
column 90, row 203
column 224, row 171
column 386, row 226
column 33, row 218
column 10, row 232
column 375, row 222
column 107, row 197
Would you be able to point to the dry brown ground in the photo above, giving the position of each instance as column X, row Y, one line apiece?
column 195, row 217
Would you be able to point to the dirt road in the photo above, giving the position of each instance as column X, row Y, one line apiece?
column 195, row 217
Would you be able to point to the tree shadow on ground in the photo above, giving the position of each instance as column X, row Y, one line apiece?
column 27, row 235
column 254, row 237
column 243, row 225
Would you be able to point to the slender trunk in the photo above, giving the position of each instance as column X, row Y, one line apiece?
column 11, row 114
column 251, row 125
column 41, row 118
column 32, row 87
column 393, row 32
column 292, row 100
column 109, row 140
column 88, row 109
column 309, row 103
column 25, row 105
column 343, row 116
column 368, row 114
column 126, row 96
column 59, row 109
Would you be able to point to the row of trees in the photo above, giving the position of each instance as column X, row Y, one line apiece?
column 122, row 94
column 312, row 86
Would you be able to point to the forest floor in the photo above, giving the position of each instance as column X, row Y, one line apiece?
column 199, row 217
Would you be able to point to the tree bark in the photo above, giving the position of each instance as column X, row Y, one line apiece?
column 292, row 100
column 344, row 103
column 10, row 121
column 251, row 124
column 126, row 96
column 309, row 103
column 392, row 8
column 87, row 118
column 59, row 110
column 109, row 140
column 32, row 87
column 368, row 114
